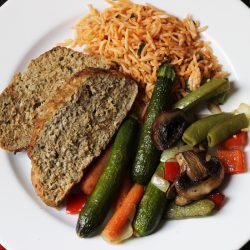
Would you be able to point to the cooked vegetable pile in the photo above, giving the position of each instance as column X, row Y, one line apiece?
column 170, row 168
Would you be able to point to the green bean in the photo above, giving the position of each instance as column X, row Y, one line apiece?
column 226, row 129
column 208, row 90
column 197, row 131
column 195, row 209
column 220, row 99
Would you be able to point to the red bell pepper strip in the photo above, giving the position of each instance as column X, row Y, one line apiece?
column 75, row 202
column 236, row 141
column 172, row 171
column 218, row 199
column 233, row 160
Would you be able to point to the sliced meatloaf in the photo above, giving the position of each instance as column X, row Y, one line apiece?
column 76, row 125
column 21, row 102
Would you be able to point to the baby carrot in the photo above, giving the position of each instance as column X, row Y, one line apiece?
column 123, row 214
column 123, row 192
column 93, row 174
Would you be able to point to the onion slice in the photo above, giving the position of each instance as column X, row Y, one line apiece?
column 126, row 233
column 214, row 108
column 172, row 152
column 244, row 108
column 160, row 183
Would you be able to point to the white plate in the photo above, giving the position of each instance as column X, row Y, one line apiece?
column 29, row 28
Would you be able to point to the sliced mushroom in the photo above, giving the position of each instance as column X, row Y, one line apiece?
column 168, row 128
column 191, row 190
column 181, row 185
column 191, row 163
column 171, row 193
column 181, row 200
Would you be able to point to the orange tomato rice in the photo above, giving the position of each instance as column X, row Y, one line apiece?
column 139, row 37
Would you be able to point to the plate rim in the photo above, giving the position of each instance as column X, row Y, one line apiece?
column 8, row 9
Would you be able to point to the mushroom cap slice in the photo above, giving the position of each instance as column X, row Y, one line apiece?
column 191, row 190
column 168, row 128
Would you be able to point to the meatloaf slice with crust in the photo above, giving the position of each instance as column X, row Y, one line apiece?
column 76, row 125
column 21, row 102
